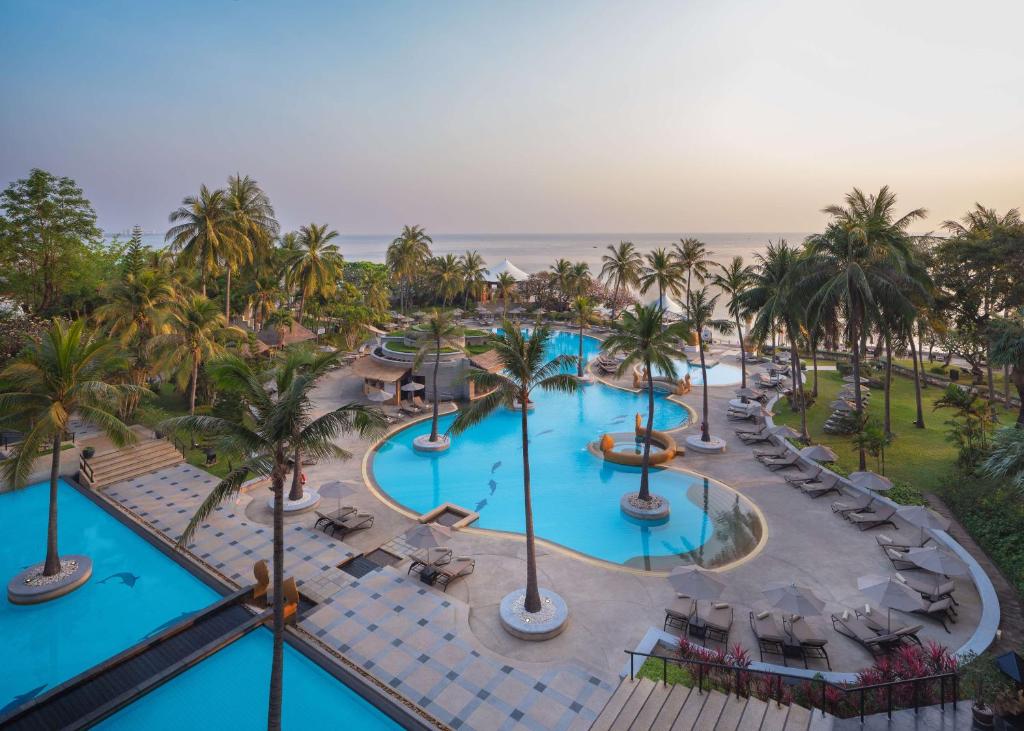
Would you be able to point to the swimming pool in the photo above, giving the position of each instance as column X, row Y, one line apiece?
column 719, row 374
column 135, row 591
column 229, row 690
column 575, row 493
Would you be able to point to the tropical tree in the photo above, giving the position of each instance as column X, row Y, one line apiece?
column 262, row 293
column 406, row 257
column 621, row 269
column 254, row 221
column 562, row 273
column 506, row 287
column 525, row 368
column 276, row 423
column 642, row 337
column 579, row 279
column 702, row 319
column 734, row 280
column 316, row 266
column 1006, row 460
column 447, row 273
column 583, row 312
column 204, row 234
column 693, row 259
column 473, row 275
column 440, row 331
column 1007, row 348
column 971, row 426
column 662, row 271
column 67, row 371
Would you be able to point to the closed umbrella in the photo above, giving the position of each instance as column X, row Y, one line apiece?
column 428, row 535
column 793, row 599
column 887, row 592
column 819, row 453
column 695, row 582
column 871, row 481
column 940, row 562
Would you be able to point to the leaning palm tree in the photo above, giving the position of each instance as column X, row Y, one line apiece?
column 316, row 266
column 474, row 273
column 702, row 319
column 66, row 372
column 440, row 331
column 643, row 338
column 734, row 280
column 506, row 287
column 525, row 368
column 275, row 423
column 662, row 271
column 406, row 257
column 692, row 256
column 621, row 268
column 583, row 312
column 254, row 220
column 204, row 234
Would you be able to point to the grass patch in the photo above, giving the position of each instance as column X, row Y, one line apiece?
column 676, row 674
column 403, row 348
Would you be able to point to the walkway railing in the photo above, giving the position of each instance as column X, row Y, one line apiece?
column 818, row 693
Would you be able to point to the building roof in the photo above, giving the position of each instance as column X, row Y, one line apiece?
column 506, row 267
column 370, row 367
column 295, row 334
column 488, row 361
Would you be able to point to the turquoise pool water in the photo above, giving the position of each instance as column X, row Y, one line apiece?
column 229, row 691
column 134, row 591
column 575, row 493
column 720, row 374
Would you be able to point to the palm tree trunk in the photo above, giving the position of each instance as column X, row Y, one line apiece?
column 743, row 355
column 227, row 297
column 988, row 373
column 705, row 428
column 1018, row 382
column 296, row 491
column 277, row 661
column 433, row 423
column 916, row 357
column 858, row 400
column 532, row 602
column 645, row 463
column 688, row 294
column 192, row 387
column 52, row 564
column 798, row 384
column 814, row 365
column 302, row 308
column 887, row 416
column 615, row 298
column 579, row 363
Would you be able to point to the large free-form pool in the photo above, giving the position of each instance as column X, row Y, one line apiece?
column 575, row 493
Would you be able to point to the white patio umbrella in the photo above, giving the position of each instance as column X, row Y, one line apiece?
column 890, row 593
column 785, row 431
column 428, row 535
column 923, row 517
column 413, row 386
column 870, row 481
column 793, row 599
column 336, row 489
column 695, row 582
column 819, row 453
column 940, row 562
column 841, row 405
column 379, row 396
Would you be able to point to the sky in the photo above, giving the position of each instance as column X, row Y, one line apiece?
column 519, row 116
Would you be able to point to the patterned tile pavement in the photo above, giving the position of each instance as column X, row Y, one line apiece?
column 410, row 637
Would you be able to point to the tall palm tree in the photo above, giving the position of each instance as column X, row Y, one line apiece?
column 473, row 274
column 253, row 217
column 506, row 287
column 204, row 234
column 643, row 337
column 661, row 270
column 447, row 272
column 579, row 279
column 525, row 368
column 317, row 265
column 701, row 319
column 195, row 327
column 734, row 280
column 263, row 291
column 440, row 331
column 583, row 312
column 851, row 262
column 562, row 272
column 275, row 423
column 1008, row 349
column 621, row 268
column 66, row 372
column 406, row 257
column 694, row 260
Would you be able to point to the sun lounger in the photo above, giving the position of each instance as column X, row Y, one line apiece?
column 751, row 437
column 942, row 610
column 801, row 478
column 291, row 599
column 817, row 488
column 434, row 557
column 753, row 430
column 903, row 543
column 882, row 516
column 324, row 520
column 812, row 644
column 770, row 636
column 790, row 460
column 678, row 614
column 906, row 633
column 776, row 453
column 714, row 621
column 350, row 523
column 898, row 560
column 858, row 630
column 853, row 505
column 454, row 569
column 929, row 585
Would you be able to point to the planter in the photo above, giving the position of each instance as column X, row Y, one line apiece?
column 88, row 453
column 983, row 715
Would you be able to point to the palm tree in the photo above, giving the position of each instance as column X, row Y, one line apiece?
column 440, row 332
column 734, row 280
column 523, row 370
column 263, row 291
column 1007, row 348
column 447, row 273
column 473, row 274
column 700, row 320
column 693, row 258
column 317, row 265
column 562, row 272
column 851, row 263
column 621, row 268
column 579, row 278
column 643, row 337
column 663, row 271
column 275, row 424
column 206, row 234
column 253, row 217
column 66, row 372
column 195, row 326
column 506, row 286
column 407, row 255
column 583, row 312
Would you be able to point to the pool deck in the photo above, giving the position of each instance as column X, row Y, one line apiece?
column 447, row 652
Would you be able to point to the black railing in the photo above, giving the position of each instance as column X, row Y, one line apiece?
column 85, row 468
column 742, row 681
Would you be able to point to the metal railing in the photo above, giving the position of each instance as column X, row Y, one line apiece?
column 85, row 468
column 738, row 679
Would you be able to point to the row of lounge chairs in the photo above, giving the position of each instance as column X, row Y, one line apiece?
column 788, row 637
column 607, row 364
column 877, row 638
column 343, row 521
column 703, row 619
column 436, row 566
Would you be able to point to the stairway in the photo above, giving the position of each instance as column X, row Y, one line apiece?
column 641, row 704
column 124, row 464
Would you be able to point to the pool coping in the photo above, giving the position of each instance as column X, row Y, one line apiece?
column 396, row 707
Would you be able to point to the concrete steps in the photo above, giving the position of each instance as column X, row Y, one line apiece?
column 642, row 705
column 124, row 464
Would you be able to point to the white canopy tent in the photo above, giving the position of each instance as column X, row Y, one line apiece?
column 505, row 267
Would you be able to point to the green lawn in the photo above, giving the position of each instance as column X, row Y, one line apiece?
column 921, row 458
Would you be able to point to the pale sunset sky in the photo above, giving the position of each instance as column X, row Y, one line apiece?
column 519, row 116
